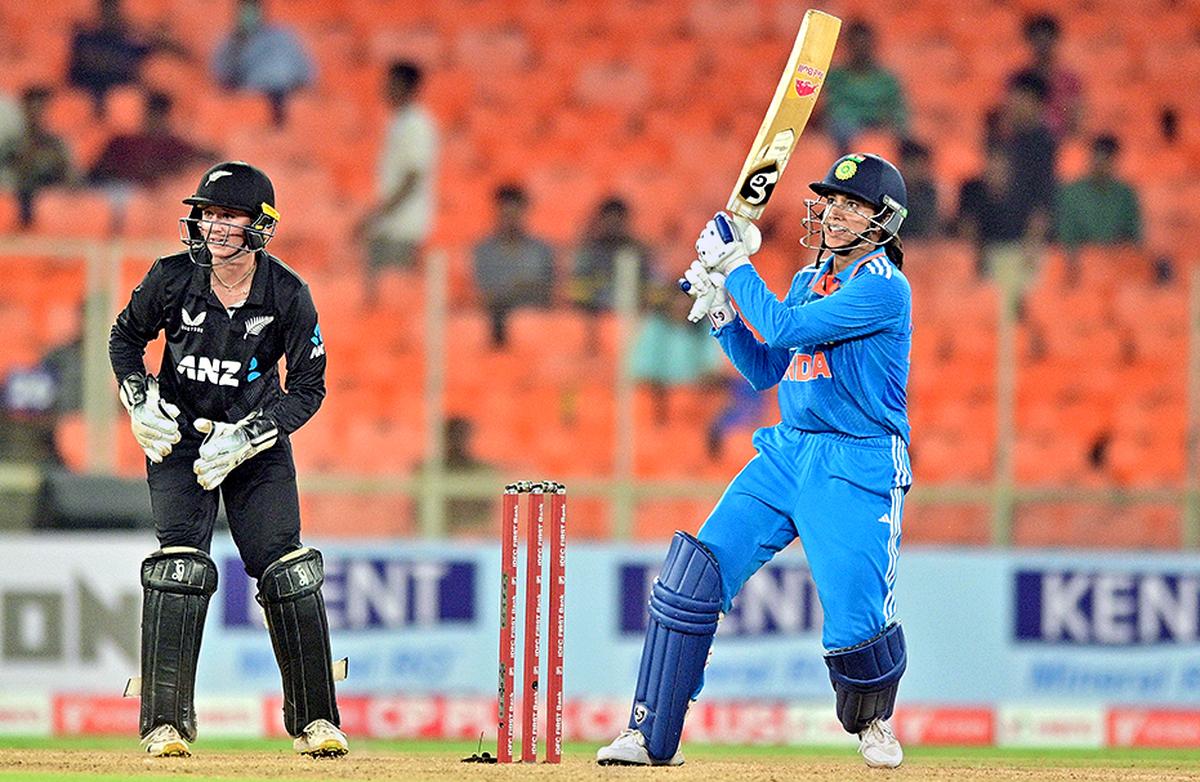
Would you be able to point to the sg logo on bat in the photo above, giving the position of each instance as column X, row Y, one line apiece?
column 758, row 185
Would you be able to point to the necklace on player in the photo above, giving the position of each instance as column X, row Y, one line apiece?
column 229, row 286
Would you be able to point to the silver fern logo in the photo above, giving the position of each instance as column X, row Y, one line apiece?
column 196, row 323
column 254, row 326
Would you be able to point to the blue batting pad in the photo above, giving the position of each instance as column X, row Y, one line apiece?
column 685, row 604
column 866, row 677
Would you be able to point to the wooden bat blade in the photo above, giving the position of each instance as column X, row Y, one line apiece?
column 790, row 109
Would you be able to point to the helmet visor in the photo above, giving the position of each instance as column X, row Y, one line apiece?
column 817, row 225
column 201, row 235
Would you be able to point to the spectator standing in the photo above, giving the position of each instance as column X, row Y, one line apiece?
column 109, row 52
column 1019, row 130
column 991, row 215
column 1099, row 208
column 862, row 93
column 922, row 221
column 262, row 57
column 512, row 268
column 37, row 158
column 1064, row 89
column 400, row 221
column 594, row 273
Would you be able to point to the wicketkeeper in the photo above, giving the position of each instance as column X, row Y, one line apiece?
column 216, row 419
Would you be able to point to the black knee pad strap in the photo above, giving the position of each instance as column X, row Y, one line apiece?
column 177, row 583
column 866, row 678
column 290, row 593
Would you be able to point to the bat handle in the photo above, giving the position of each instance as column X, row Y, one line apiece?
column 739, row 222
column 684, row 285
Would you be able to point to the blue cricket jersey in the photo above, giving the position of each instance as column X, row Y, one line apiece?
column 838, row 346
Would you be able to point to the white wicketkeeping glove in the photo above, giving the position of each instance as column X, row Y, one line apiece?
column 228, row 445
column 708, row 288
column 152, row 419
column 727, row 243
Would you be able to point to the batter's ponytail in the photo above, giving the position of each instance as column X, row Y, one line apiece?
column 895, row 251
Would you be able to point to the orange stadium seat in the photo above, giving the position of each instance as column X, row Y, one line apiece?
column 70, row 111
column 145, row 216
column 657, row 520
column 945, row 455
column 588, row 518
column 124, row 109
column 468, row 332
column 1054, row 457
column 329, row 515
column 1097, row 525
column 535, row 331
column 960, row 524
column 166, row 71
column 671, row 451
column 86, row 213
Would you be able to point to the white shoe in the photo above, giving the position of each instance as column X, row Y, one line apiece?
column 879, row 746
column 321, row 739
column 165, row 742
column 629, row 749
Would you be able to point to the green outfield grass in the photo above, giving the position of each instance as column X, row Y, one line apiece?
column 930, row 757
column 1188, row 758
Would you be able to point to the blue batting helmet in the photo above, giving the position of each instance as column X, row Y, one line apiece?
column 871, row 179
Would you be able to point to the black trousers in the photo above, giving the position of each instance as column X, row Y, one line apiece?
column 261, row 501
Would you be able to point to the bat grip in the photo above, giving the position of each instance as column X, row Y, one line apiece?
column 740, row 223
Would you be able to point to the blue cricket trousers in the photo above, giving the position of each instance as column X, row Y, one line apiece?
column 843, row 497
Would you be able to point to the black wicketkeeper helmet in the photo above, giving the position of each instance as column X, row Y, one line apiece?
column 233, row 185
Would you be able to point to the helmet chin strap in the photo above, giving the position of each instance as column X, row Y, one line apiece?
column 202, row 256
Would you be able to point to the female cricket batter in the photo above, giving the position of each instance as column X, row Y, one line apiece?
column 833, row 473
column 217, row 418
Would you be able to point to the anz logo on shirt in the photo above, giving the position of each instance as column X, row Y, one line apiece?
column 209, row 370
column 318, row 343
column 808, row 367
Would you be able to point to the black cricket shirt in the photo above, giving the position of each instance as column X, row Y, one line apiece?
column 221, row 366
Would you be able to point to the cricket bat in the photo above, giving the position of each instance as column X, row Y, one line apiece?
column 788, row 114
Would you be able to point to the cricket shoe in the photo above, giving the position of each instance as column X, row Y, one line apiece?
column 321, row 739
column 165, row 742
column 879, row 746
column 629, row 749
